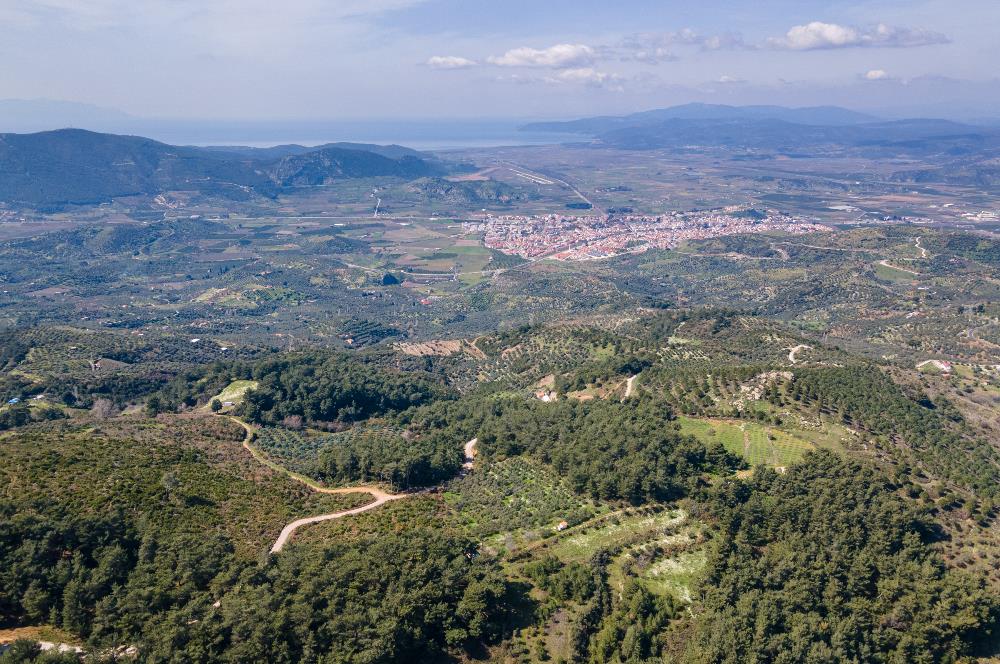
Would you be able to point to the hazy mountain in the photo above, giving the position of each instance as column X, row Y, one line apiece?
column 815, row 115
column 76, row 166
column 73, row 166
column 877, row 138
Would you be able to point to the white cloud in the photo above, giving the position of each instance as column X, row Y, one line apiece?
column 646, row 48
column 818, row 35
column 579, row 76
column 876, row 75
column 589, row 77
column 687, row 37
column 652, row 56
column 730, row 80
column 449, row 62
column 724, row 41
column 560, row 56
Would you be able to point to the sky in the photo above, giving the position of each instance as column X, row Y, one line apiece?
column 354, row 59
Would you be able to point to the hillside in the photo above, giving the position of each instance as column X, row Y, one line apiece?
column 474, row 192
column 72, row 166
column 327, row 164
column 75, row 167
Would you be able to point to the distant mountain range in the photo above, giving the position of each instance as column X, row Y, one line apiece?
column 814, row 115
column 784, row 130
column 73, row 166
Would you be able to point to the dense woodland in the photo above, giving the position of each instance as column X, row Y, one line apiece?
column 828, row 564
column 323, row 389
column 865, row 397
column 137, row 536
column 396, row 459
column 114, row 582
column 609, row 450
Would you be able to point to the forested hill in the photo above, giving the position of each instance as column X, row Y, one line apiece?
column 327, row 164
column 73, row 166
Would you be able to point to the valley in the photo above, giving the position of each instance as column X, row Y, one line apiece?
column 517, row 404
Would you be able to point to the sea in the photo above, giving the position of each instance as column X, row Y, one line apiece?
column 427, row 135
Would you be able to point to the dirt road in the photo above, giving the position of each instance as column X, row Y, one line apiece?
column 380, row 500
column 630, row 386
column 380, row 495
column 886, row 263
column 794, row 351
column 470, row 454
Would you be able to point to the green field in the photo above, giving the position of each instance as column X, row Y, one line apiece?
column 757, row 443
column 234, row 392
column 675, row 575
column 889, row 273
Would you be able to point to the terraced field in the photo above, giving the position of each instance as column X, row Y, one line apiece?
column 668, row 563
column 617, row 529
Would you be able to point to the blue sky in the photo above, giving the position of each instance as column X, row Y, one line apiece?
column 334, row 59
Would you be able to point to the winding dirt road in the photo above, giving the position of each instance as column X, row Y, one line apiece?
column 380, row 499
column 378, row 493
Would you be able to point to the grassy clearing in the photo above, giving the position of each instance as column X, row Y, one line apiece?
column 39, row 633
column 234, row 392
column 713, row 431
column 668, row 561
column 889, row 273
column 757, row 443
column 676, row 575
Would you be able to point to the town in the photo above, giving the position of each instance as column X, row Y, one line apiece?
column 577, row 238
